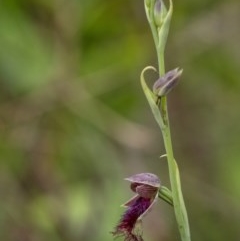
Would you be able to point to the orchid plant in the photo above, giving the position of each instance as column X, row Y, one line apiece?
column 147, row 185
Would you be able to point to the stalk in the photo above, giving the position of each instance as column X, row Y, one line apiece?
column 159, row 20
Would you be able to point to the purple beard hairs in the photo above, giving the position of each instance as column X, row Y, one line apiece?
column 129, row 219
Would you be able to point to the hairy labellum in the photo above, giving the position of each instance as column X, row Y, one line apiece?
column 129, row 219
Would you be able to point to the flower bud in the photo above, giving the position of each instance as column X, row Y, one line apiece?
column 167, row 82
column 160, row 12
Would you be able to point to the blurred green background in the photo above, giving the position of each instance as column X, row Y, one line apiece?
column 74, row 121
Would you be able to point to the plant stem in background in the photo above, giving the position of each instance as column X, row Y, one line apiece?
column 159, row 20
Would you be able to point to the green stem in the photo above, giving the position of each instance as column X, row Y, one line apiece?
column 178, row 202
column 179, row 206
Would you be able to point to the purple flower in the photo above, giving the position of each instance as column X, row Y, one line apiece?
column 146, row 185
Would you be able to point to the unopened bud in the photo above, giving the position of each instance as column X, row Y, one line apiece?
column 167, row 82
column 160, row 12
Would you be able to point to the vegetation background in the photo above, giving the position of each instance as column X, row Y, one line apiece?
column 74, row 121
